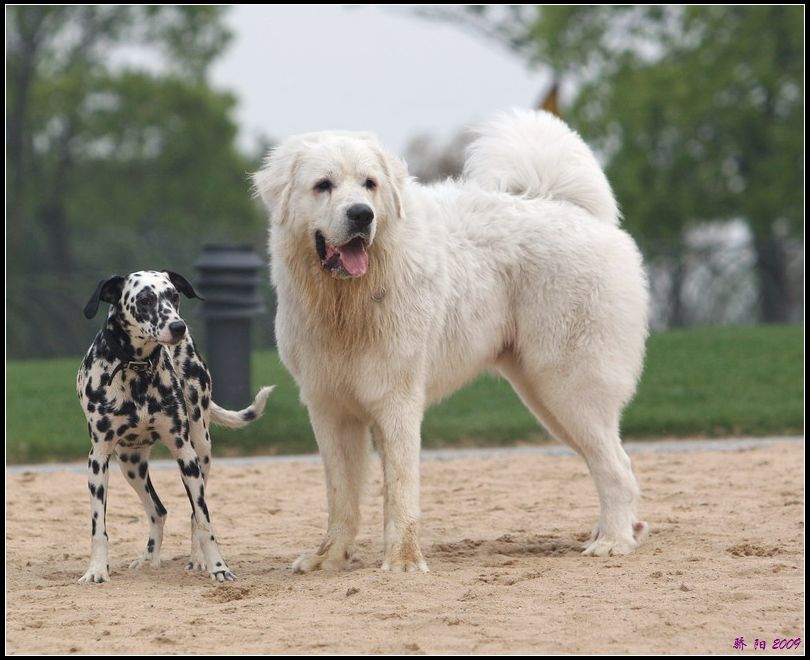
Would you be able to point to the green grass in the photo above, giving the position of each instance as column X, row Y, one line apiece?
column 697, row 382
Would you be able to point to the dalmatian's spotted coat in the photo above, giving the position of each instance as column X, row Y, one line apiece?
column 142, row 381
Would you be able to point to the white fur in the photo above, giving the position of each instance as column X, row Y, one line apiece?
column 519, row 267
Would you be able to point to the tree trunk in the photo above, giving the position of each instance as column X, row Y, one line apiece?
column 774, row 288
column 676, row 316
column 53, row 221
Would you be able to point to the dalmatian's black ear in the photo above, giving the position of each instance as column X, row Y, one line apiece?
column 108, row 290
column 183, row 285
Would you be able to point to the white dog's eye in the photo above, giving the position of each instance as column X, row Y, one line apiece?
column 370, row 184
column 324, row 185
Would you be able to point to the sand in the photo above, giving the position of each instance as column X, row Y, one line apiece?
column 725, row 560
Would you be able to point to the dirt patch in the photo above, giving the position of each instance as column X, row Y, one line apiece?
column 725, row 560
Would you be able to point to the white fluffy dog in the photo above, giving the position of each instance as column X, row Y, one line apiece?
column 392, row 294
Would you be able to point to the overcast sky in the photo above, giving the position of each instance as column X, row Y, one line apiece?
column 297, row 69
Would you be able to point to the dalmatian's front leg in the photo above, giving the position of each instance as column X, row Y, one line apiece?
column 98, row 478
column 201, row 443
column 194, row 483
column 134, row 464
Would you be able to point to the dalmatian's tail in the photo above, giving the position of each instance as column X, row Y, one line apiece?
column 236, row 419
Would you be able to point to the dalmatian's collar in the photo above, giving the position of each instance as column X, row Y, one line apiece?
column 126, row 360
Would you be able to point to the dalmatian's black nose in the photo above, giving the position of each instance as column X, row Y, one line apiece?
column 177, row 328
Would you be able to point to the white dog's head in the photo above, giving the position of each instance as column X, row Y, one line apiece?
column 337, row 190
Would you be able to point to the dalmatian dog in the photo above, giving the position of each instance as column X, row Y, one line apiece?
column 143, row 381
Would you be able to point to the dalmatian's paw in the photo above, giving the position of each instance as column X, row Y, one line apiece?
column 196, row 563
column 146, row 561
column 96, row 575
column 195, row 566
column 222, row 575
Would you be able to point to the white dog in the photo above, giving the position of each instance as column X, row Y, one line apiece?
column 391, row 295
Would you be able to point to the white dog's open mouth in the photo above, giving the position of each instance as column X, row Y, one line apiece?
column 347, row 260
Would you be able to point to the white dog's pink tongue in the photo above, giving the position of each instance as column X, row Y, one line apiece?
column 354, row 257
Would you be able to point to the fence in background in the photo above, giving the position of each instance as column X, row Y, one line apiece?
column 711, row 278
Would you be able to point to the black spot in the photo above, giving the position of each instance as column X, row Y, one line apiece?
column 129, row 409
column 202, row 505
column 100, row 494
column 97, row 395
column 178, row 441
column 104, row 424
column 123, row 458
column 161, row 510
column 190, row 470
column 142, row 469
column 88, row 359
column 94, row 464
column 130, row 474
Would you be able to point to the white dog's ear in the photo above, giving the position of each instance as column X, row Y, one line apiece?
column 274, row 181
column 396, row 171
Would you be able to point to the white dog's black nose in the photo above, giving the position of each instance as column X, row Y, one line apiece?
column 360, row 216
column 177, row 328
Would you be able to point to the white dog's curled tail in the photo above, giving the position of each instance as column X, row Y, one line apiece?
column 536, row 154
column 236, row 419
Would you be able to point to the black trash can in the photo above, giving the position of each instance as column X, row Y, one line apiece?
column 229, row 280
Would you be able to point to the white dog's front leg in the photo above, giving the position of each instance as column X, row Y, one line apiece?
column 344, row 446
column 401, row 443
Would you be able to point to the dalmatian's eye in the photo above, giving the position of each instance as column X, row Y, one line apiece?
column 174, row 298
column 147, row 299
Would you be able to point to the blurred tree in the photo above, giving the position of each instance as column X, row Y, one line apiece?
column 698, row 111
column 120, row 156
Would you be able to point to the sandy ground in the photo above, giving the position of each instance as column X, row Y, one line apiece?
column 725, row 560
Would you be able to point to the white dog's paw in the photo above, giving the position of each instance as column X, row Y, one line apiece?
column 405, row 560
column 150, row 561
column 604, row 545
column 96, row 574
column 307, row 563
column 405, row 566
